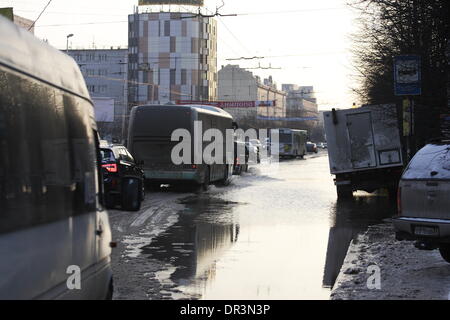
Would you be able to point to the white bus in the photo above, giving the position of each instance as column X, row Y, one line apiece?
column 292, row 143
column 149, row 140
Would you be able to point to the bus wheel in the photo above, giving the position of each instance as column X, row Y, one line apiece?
column 226, row 179
column 131, row 195
column 205, row 184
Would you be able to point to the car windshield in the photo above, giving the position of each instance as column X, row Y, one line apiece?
column 432, row 162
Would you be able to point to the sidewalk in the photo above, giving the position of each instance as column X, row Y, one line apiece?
column 406, row 273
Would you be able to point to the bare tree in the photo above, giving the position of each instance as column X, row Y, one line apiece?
column 388, row 28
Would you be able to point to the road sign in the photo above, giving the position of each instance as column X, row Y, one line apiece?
column 175, row 2
column 407, row 117
column 407, row 75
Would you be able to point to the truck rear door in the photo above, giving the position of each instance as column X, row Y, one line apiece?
column 361, row 140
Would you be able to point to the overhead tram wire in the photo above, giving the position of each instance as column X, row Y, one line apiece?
column 43, row 10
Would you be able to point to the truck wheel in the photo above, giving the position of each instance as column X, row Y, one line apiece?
column 131, row 195
column 444, row 249
column 392, row 191
column 344, row 192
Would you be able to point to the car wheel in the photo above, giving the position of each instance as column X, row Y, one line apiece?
column 444, row 250
column 131, row 195
column 344, row 192
column 110, row 201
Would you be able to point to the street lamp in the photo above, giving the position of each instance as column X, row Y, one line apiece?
column 67, row 44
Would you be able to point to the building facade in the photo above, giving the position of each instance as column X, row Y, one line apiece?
column 237, row 84
column 172, row 56
column 105, row 72
column 301, row 101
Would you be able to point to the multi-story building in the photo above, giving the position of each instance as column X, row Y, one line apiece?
column 237, row 84
column 301, row 92
column 172, row 56
column 105, row 72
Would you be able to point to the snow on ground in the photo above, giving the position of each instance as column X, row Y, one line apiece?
column 406, row 273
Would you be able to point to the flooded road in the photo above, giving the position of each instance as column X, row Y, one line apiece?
column 271, row 234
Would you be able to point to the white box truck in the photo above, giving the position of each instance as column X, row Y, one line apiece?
column 365, row 150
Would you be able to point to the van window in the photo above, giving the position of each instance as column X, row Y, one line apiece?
column 432, row 158
column 42, row 176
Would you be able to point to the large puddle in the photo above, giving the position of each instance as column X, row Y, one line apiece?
column 282, row 237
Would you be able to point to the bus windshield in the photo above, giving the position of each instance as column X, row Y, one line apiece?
column 285, row 138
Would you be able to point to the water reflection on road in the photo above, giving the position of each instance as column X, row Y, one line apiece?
column 271, row 235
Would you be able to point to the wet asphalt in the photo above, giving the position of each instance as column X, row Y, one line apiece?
column 277, row 232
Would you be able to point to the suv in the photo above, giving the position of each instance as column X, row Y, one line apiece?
column 123, row 179
column 424, row 200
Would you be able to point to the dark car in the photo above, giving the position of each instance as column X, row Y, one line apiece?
column 123, row 179
column 312, row 147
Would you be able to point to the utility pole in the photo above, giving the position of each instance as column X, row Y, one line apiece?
column 67, row 42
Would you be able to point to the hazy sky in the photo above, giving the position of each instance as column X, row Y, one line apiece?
column 309, row 40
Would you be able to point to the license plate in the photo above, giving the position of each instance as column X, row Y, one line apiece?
column 426, row 231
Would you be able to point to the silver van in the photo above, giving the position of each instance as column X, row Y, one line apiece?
column 424, row 200
column 55, row 237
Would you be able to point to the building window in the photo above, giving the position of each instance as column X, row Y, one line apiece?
column 167, row 28
column 173, row 76
column 90, row 72
column 183, row 76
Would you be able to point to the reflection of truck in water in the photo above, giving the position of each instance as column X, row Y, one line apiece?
column 149, row 140
column 364, row 148
column 292, row 143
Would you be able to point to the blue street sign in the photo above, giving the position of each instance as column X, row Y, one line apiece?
column 408, row 75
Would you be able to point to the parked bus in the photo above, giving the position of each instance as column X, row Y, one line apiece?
column 149, row 140
column 53, row 232
column 292, row 143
